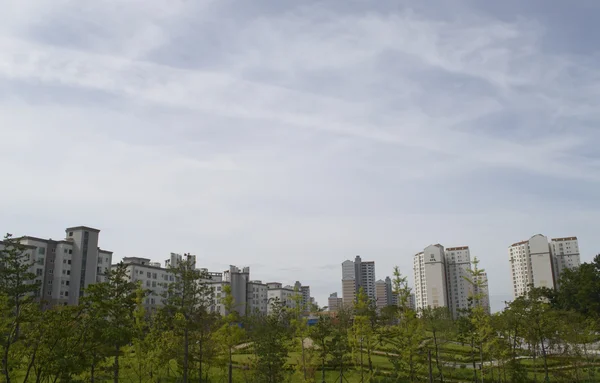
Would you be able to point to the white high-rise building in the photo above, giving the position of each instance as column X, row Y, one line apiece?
column 458, row 266
column 153, row 278
column 276, row 292
column 430, row 278
column 443, row 279
column 539, row 262
column 65, row 268
column 348, row 282
column 565, row 255
column 258, row 300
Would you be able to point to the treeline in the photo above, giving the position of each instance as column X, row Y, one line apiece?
column 545, row 336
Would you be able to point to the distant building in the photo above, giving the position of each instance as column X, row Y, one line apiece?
column 258, row 300
column 276, row 292
column 238, row 279
column 540, row 263
column 152, row 276
column 443, row 278
column 334, row 302
column 65, row 268
column 356, row 275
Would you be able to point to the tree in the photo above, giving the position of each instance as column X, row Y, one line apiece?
column 112, row 304
column 339, row 345
column 363, row 330
column 230, row 334
column 186, row 304
column 579, row 289
column 438, row 321
column 299, row 326
column 406, row 339
column 18, row 287
column 320, row 333
column 271, row 335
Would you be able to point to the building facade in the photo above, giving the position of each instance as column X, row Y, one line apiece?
column 538, row 262
column 444, row 278
column 258, row 299
column 276, row 292
column 65, row 268
column 358, row 274
column 334, row 302
column 152, row 277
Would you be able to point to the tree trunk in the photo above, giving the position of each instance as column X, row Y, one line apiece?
column 546, row 378
column 116, row 366
column 230, row 367
column 437, row 356
column 5, row 362
column 186, row 346
column 92, row 372
column 303, row 361
column 473, row 360
column 481, row 360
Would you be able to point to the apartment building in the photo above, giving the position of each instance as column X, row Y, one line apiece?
column 238, row 280
column 276, row 292
column 540, row 262
column 257, row 300
column 443, row 279
column 152, row 277
column 358, row 274
column 565, row 255
column 334, row 302
column 458, row 274
column 430, row 277
column 381, row 295
column 65, row 268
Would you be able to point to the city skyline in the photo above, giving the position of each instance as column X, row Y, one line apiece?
column 289, row 136
column 321, row 297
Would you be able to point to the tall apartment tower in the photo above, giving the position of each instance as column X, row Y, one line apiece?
column 381, row 295
column 539, row 262
column 66, row 267
column 442, row 279
column 458, row 266
column 348, row 282
column 355, row 275
column 430, row 277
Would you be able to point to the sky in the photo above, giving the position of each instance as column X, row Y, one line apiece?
column 289, row 136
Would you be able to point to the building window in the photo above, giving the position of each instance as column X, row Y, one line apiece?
column 41, row 250
column 38, row 272
column 70, row 234
column 66, row 293
column 65, row 251
column 70, row 251
column 67, row 283
column 68, row 272
column 99, row 260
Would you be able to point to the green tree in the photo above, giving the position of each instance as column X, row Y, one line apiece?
column 363, row 331
column 320, row 333
column 339, row 344
column 299, row 327
column 438, row 322
column 187, row 302
column 579, row 289
column 271, row 336
column 230, row 334
column 113, row 303
column 18, row 287
column 406, row 339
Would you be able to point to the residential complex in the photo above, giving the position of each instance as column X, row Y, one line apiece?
column 384, row 294
column 64, row 268
column 358, row 274
column 443, row 279
column 538, row 262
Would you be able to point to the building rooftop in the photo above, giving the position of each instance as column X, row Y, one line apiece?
column 457, row 248
column 519, row 243
column 564, row 239
column 82, row 228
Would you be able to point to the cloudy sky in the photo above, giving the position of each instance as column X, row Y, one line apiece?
column 292, row 135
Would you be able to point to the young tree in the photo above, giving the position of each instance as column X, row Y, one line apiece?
column 230, row 334
column 18, row 287
column 271, row 335
column 320, row 333
column 300, row 326
column 406, row 339
column 186, row 304
column 112, row 304
column 438, row 321
column 364, row 331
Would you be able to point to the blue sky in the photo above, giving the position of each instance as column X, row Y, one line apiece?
column 290, row 136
